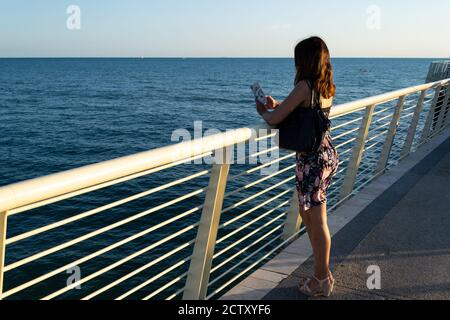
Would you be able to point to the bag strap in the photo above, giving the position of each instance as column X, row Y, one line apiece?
column 314, row 103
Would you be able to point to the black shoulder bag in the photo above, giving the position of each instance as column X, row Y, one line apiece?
column 305, row 128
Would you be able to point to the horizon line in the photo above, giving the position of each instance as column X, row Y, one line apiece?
column 207, row 57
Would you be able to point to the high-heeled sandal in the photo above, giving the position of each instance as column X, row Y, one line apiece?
column 303, row 280
column 325, row 287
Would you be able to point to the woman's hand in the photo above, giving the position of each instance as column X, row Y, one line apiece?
column 260, row 107
column 271, row 103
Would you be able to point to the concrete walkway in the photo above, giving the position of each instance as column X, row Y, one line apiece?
column 400, row 223
column 405, row 231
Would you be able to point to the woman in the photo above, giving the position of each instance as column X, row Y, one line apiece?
column 314, row 171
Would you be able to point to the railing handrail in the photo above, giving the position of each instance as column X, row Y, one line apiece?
column 349, row 107
column 30, row 191
column 34, row 190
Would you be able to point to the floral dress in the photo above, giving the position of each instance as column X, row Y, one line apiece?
column 314, row 172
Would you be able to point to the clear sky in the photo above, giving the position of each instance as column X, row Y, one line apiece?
column 224, row 28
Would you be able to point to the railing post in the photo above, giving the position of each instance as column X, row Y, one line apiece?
column 430, row 117
column 293, row 219
column 3, row 223
column 444, row 108
column 447, row 119
column 358, row 151
column 384, row 156
column 200, row 267
column 413, row 127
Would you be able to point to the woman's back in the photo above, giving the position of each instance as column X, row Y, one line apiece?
column 324, row 103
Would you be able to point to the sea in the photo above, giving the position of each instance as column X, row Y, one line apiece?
column 59, row 114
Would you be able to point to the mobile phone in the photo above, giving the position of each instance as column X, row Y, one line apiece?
column 259, row 93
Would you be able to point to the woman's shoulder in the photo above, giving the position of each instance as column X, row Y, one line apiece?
column 303, row 86
column 303, row 91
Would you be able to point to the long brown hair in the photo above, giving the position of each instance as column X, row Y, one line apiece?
column 312, row 60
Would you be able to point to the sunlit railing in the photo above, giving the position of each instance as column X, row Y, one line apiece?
column 207, row 246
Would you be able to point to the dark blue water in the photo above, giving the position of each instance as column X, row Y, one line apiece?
column 58, row 114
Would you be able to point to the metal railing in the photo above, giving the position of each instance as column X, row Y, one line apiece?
column 207, row 247
column 439, row 70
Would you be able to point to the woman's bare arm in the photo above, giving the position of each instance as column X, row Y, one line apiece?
column 281, row 111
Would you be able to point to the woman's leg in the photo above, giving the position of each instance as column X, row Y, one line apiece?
column 320, row 240
column 306, row 221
